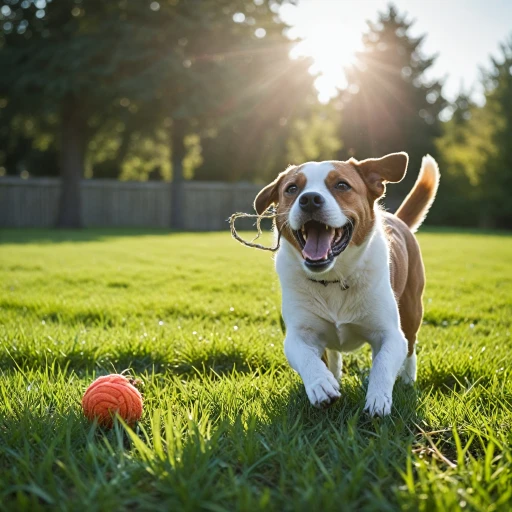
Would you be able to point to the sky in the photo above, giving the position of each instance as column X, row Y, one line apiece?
column 464, row 34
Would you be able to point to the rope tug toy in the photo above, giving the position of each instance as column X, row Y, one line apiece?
column 267, row 214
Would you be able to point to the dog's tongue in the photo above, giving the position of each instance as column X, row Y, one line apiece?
column 318, row 241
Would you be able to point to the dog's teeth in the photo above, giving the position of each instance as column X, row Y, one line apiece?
column 326, row 227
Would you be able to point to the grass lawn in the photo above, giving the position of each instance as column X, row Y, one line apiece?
column 226, row 423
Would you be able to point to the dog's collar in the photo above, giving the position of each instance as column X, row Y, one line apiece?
column 344, row 286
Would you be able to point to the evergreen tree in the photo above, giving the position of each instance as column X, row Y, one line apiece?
column 476, row 153
column 389, row 105
column 496, row 181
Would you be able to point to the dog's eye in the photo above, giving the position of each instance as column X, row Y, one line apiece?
column 343, row 185
column 291, row 189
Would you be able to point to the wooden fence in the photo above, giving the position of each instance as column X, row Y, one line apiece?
column 111, row 203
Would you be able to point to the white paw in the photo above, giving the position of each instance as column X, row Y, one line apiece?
column 323, row 391
column 407, row 378
column 378, row 404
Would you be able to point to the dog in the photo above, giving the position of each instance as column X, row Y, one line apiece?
column 350, row 272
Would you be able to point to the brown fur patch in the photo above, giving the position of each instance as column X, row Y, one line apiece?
column 376, row 172
column 354, row 202
column 407, row 276
column 275, row 193
column 270, row 194
column 286, row 201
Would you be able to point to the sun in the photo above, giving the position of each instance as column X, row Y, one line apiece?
column 329, row 37
column 330, row 54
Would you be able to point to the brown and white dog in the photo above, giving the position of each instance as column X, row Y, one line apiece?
column 350, row 273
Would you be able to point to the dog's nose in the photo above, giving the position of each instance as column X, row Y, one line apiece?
column 311, row 201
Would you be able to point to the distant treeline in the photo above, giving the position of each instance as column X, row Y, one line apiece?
column 160, row 90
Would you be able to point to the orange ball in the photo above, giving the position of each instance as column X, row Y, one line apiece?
column 109, row 395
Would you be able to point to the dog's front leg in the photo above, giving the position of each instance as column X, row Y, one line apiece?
column 389, row 352
column 304, row 355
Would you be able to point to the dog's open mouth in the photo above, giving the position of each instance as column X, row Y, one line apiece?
column 321, row 243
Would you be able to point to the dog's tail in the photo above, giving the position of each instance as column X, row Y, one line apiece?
column 416, row 205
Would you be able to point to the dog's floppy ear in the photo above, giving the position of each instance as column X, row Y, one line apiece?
column 376, row 172
column 270, row 194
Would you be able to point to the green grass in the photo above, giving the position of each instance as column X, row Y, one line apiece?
column 226, row 423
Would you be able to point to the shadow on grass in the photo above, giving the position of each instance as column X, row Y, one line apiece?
column 55, row 236
column 453, row 230
column 302, row 456
column 349, row 408
column 455, row 378
column 100, row 318
column 82, row 361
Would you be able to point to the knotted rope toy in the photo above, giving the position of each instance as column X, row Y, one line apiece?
column 267, row 214
column 109, row 395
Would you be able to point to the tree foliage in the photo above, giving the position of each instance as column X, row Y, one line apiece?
column 476, row 152
column 251, row 141
column 389, row 105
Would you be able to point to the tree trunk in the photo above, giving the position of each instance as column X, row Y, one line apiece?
column 178, row 154
column 72, row 155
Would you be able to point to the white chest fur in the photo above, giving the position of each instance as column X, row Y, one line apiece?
column 343, row 318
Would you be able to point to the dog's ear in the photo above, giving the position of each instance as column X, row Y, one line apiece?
column 270, row 194
column 376, row 172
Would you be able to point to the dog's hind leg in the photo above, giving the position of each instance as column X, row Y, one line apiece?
column 411, row 314
column 408, row 371
column 334, row 362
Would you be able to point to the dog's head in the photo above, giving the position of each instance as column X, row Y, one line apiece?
column 323, row 207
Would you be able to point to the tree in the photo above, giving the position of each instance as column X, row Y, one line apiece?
column 250, row 141
column 389, row 105
column 222, row 45
column 476, row 153
column 73, row 59
column 498, row 167
column 87, row 61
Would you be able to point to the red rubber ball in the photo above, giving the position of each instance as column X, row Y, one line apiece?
column 109, row 395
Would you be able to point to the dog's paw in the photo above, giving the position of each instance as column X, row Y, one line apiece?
column 324, row 391
column 407, row 378
column 378, row 404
